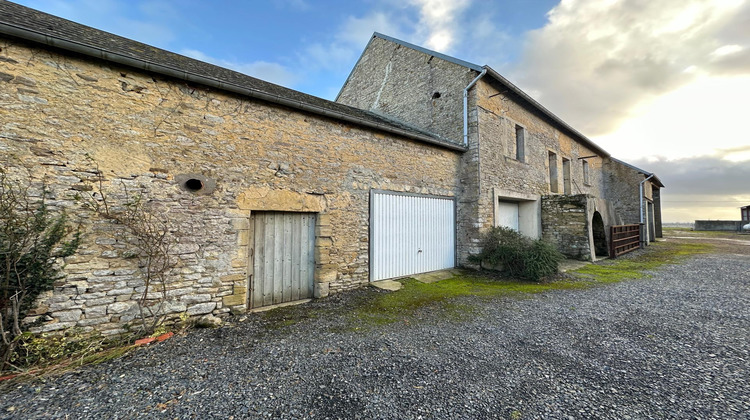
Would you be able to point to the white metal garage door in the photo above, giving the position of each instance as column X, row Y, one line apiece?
column 507, row 214
column 283, row 257
column 410, row 234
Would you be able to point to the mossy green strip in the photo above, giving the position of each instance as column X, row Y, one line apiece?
column 402, row 306
column 657, row 255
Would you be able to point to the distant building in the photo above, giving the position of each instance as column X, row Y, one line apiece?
column 745, row 214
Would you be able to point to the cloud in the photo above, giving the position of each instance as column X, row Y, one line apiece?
column 704, row 175
column 705, row 187
column 699, row 118
column 594, row 60
column 340, row 53
column 270, row 72
column 437, row 22
column 434, row 24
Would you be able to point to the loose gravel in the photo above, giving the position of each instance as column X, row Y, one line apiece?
column 673, row 346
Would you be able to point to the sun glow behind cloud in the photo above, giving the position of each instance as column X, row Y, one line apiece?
column 700, row 118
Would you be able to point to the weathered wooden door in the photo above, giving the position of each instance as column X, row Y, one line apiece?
column 283, row 258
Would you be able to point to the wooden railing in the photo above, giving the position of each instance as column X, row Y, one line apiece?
column 623, row 239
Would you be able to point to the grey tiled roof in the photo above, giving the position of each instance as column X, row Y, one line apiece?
column 36, row 26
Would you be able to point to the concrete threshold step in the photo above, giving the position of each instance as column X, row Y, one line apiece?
column 434, row 276
column 391, row 285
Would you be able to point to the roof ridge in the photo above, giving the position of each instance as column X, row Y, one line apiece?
column 434, row 53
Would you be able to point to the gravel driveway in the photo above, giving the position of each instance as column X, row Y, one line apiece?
column 671, row 346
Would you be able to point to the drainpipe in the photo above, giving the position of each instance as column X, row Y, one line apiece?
column 640, row 190
column 466, row 106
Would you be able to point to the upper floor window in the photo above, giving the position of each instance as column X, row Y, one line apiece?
column 553, row 187
column 567, row 189
column 586, row 176
column 520, row 140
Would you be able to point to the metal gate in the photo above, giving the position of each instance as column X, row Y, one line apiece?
column 410, row 234
column 283, row 258
column 623, row 239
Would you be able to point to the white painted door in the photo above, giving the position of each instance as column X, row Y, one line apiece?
column 508, row 214
column 410, row 234
column 283, row 257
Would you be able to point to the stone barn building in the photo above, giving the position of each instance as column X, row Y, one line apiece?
column 524, row 167
column 276, row 196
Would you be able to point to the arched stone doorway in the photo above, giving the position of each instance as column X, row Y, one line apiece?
column 600, row 236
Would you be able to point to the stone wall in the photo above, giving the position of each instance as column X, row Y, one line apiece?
column 503, row 177
column 565, row 224
column 621, row 184
column 656, row 195
column 426, row 92
column 401, row 82
column 64, row 117
column 410, row 86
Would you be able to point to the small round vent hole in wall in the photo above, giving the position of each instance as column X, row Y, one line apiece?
column 435, row 95
column 193, row 184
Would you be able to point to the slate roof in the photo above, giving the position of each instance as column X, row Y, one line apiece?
column 32, row 25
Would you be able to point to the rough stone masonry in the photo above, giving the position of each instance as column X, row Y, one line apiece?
column 65, row 117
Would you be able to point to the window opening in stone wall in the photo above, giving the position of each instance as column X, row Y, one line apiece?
column 520, row 135
column 586, row 180
column 553, row 173
column 566, row 176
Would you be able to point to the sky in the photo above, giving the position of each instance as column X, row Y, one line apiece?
column 663, row 85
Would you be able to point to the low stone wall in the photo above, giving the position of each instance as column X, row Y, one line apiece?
column 565, row 224
column 719, row 225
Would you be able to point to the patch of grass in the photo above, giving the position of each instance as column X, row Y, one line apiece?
column 628, row 267
column 110, row 350
column 405, row 305
column 442, row 296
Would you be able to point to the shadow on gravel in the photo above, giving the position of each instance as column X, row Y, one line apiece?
column 457, row 298
column 453, row 300
column 634, row 265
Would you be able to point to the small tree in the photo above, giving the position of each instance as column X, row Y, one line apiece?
column 151, row 235
column 31, row 240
